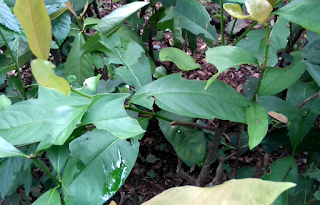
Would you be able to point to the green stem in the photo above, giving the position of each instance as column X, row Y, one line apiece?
column 245, row 33
column 15, row 63
column 290, row 38
column 221, row 22
column 234, row 23
column 81, row 93
column 41, row 166
column 147, row 113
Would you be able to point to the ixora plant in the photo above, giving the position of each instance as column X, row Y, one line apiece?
column 89, row 129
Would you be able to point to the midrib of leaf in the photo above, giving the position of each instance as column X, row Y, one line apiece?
column 33, row 25
column 130, row 69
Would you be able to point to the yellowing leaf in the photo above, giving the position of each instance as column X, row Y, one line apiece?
column 243, row 191
column 259, row 9
column 235, row 11
column 43, row 72
column 36, row 23
column 278, row 116
column 272, row 3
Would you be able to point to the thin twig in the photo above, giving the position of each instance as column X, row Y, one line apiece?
column 184, row 175
column 193, row 125
column 245, row 33
column 308, row 100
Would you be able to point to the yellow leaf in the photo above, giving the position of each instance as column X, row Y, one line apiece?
column 69, row 6
column 278, row 116
column 43, row 72
column 235, row 11
column 259, row 9
column 36, row 23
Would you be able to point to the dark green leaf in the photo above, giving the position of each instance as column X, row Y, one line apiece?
column 313, row 173
column 58, row 156
column 245, row 172
column 313, row 71
column 312, row 48
column 250, row 86
column 310, row 142
column 108, row 86
column 61, row 27
column 14, row 87
column 160, row 72
column 8, row 19
column 79, row 4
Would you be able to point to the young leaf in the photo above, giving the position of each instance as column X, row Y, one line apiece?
column 43, row 72
column 102, row 170
column 257, row 120
column 7, row 150
column 50, row 197
column 236, row 11
column 36, row 23
column 273, row 82
column 107, row 112
column 259, row 9
column 242, row 191
column 303, row 13
column 180, row 58
column 79, row 65
column 110, row 23
column 7, row 18
column 187, row 97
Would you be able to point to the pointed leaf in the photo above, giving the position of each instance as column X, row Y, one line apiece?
column 43, row 72
column 187, row 97
column 257, row 120
column 102, row 170
column 36, row 23
column 107, row 112
column 61, row 27
column 7, row 150
column 235, row 11
column 78, row 65
column 242, row 191
column 58, row 156
column 50, row 197
column 7, row 18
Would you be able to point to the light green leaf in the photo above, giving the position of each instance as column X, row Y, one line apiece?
column 7, row 18
column 303, row 13
column 78, row 65
column 102, row 170
column 90, row 21
column 61, row 27
column 58, row 13
column 259, row 9
column 236, row 11
column 7, row 150
column 4, row 102
column 273, row 82
column 107, row 112
column 43, row 72
column 242, row 191
column 187, row 97
column 180, row 58
column 110, row 23
column 92, row 83
column 50, row 197
column 160, row 72
column 36, row 23
column 257, row 120
column 190, row 144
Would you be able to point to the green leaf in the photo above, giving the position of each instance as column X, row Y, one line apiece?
column 242, row 191
column 310, row 50
column 110, row 23
column 50, row 197
column 259, row 9
column 236, row 11
column 225, row 57
column 107, row 112
column 4, row 102
column 7, row 18
column 92, row 83
column 58, row 156
column 7, row 150
column 14, row 87
column 35, row 21
column 160, row 72
column 190, row 144
column 314, row 71
column 43, row 72
column 310, row 141
column 90, row 21
column 273, row 82
column 180, row 58
column 78, row 65
column 257, row 120
column 187, row 97
column 303, row 13
column 313, row 173
column 197, row 23
column 250, row 86
column 80, row 4
column 61, row 27
column 245, row 172
column 102, row 170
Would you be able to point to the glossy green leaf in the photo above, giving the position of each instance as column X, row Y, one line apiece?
column 225, row 57
column 242, row 191
column 160, row 72
column 61, row 27
column 58, row 13
column 36, row 23
column 7, row 18
column 79, row 65
column 4, row 102
column 102, row 170
column 110, row 23
column 7, row 150
column 257, row 120
column 189, row 144
column 259, row 9
column 43, row 72
column 310, row 50
column 107, row 113
column 187, row 97
column 303, row 13
column 273, row 82
column 58, row 156
column 50, row 197
column 314, row 71
column 92, row 83
column 182, row 60
column 29, row 121
column 90, row 21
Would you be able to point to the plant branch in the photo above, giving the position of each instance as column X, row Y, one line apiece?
column 194, row 125
column 45, row 169
column 245, row 33
column 234, row 24
column 184, row 175
column 80, row 93
column 147, row 113
column 15, row 63
column 213, row 147
column 294, row 40
column 221, row 22
column 308, row 100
